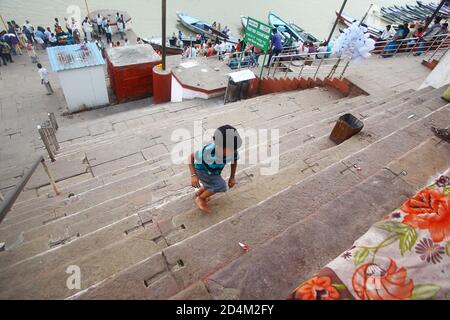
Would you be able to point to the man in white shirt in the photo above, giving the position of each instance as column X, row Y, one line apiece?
column 87, row 28
column 43, row 74
column 48, row 34
column 29, row 26
column 53, row 40
column 387, row 34
column 99, row 24
column 193, row 53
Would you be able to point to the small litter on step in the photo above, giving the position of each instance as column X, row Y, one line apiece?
column 243, row 246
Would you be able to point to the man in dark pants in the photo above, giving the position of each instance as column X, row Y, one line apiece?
column 276, row 45
column 5, row 52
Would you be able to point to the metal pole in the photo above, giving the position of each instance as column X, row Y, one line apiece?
column 435, row 13
column 337, row 21
column 53, row 121
column 345, row 69
column 365, row 16
column 317, row 71
column 4, row 24
column 87, row 8
column 12, row 195
column 50, row 177
column 263, row 64
column 46, row 144
column 163, row 41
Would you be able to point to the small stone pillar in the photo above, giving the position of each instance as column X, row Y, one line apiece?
column 162, row 85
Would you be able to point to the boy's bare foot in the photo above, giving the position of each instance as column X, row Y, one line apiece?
column 202, row 205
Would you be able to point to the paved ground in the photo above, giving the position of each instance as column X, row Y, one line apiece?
column 381, row 76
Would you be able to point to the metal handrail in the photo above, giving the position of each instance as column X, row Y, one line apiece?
column 307, row 59
column 47, row 132
column 413, row 45
column 12, row 196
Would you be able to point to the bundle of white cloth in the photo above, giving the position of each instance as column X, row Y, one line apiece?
column 354, row 43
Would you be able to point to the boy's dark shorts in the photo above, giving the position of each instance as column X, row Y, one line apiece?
column 212, row 182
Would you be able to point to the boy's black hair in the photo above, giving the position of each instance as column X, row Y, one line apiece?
column 227, row 137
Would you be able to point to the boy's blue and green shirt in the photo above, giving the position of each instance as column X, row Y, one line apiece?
column 206, row 159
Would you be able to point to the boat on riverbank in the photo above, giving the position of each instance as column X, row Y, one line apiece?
column 156, row 43
column 302, row 31
column 346, row 20
column 110, row 14
column 201, row 27
column 289, row 31
column 244, row 20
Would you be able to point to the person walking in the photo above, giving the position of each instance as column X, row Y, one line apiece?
column 68, row 26
column 99, row 20
column 5, row 52
column 108, row 32
column 276, row 45
column 87, row 28
column 30, row 29
column 43, row 74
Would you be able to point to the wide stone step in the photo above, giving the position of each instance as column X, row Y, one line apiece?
column 182, row 264
column 169, row 280
column 73, row 226
column 67, row 223
column 105, row 179
column 160, row 154
column 132, row 145
column 142, row 125
column 304, row 248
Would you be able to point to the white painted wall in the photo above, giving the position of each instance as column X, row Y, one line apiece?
column 440, row 75
column 179, row 93
column 84, row 88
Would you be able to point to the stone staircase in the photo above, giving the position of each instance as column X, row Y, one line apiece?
column 133, row 230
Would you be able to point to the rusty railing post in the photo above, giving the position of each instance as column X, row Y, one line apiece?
column 46, row 143
column 50, row 177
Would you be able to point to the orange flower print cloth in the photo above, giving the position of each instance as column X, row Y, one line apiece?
column 406, row 256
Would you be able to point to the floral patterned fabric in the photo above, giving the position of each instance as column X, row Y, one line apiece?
column 406, row 256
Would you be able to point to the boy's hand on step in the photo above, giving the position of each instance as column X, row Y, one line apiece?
column 195, row 182
column 231, row 182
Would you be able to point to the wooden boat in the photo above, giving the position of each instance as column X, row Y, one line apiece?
column 200, row 27
column 156, row 43
column 110, row 15
column 289, row 31
column 244, row 20
column 301, row 31
column 348, row 21
column 445, row 10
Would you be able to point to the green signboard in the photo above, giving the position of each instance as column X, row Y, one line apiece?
column 257, row 34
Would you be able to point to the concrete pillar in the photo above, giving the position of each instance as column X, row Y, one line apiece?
column 162, row 85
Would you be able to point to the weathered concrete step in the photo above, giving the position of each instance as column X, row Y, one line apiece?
column 124, row 119
column 135, row 164
column 211, row 249
column 307, row 246
column 299, row 165
column 321, row 96
column 58, row 212
column 69, row 221
column 139, row 139
column 71, row 254
column 169, row 279
column 155, row 151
